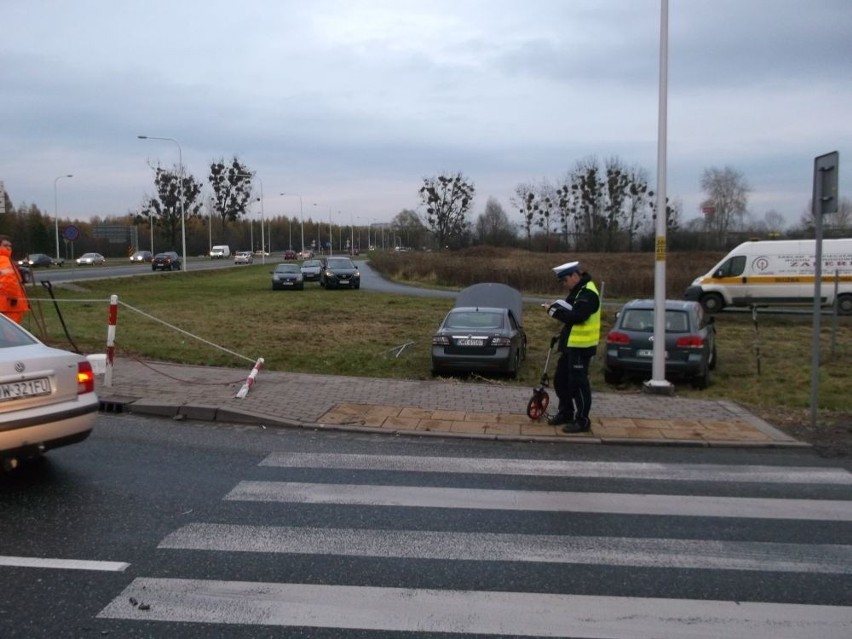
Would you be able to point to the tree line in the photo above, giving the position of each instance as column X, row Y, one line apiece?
column 594, row 207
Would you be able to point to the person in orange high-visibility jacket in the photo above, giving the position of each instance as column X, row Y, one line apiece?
column 580, row 314
column 13, row 297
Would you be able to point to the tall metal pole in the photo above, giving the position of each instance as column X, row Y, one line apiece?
column 301, row 216
column 330, row 234
column 658, row 383
column 180, row 192
column 262, row 236
column 56, row 213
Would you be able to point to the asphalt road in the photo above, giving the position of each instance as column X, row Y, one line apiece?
column 242, row 531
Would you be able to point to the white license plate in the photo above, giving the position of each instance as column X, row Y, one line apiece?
column 470, row 342
column 647, row 353
column 28, row 388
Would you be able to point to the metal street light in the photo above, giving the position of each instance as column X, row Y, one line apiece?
column 262, row 237
column 180, row 192
column 301, row 217
column 56, row 212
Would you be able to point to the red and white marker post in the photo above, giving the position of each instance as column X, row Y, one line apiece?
column 110, row 348
column 250, row 379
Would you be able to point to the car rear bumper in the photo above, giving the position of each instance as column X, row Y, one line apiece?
column 636, row 365
column 500, row 362
column 36, row 430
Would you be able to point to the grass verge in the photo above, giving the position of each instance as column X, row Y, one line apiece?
column 359, row 333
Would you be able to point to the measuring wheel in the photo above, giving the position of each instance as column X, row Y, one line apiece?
column 538, row 404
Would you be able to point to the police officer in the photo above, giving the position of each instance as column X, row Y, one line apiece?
column 580, row 314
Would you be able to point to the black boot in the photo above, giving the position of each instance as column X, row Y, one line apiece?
column 560, row 418
column 580, row 425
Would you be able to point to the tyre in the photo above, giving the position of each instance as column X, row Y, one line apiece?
column 516, row 366
column 702, row 380
column 844, row 304
column 712, row 303
column 712, row 363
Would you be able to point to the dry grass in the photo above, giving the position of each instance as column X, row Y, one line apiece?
column 622, row 275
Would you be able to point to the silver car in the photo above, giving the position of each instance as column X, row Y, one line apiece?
column 243, row 257
column 311, row 270
column 483, row 333
column 91, row 259
column 47, row 396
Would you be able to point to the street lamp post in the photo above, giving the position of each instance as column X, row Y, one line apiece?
column 262, row 236
column 301, row 216
column 56, row 212
column 180, row 192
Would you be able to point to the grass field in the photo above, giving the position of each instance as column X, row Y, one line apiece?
column 230, row 317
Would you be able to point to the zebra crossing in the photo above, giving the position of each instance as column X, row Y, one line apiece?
column 708, row 528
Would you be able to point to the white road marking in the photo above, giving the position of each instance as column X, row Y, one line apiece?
column 559, row 468
column 550, row 501
column 474, row 612
column 64, row 564
column 454, row 546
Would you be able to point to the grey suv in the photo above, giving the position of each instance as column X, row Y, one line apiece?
column 690, row 342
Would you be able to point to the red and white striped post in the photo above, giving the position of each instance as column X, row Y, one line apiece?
column 110, row 348
column 250, row 379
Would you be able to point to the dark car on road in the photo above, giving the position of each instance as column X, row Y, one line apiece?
column 141, row 256
column 35, row 260
column 483, row 333
column 690, row 342
column 290, row 254
column 339, row 272
column 166, row 261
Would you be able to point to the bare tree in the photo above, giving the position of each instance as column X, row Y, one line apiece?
column 176, row 197
column 447, row 200
column 525, row 201
column 774, row 221
column 231, row 186
column 726, row 202
column 407, row 225
column 493, row 226
column 842, row 219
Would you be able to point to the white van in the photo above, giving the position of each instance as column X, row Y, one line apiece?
column 220, row 251
column 777, row 273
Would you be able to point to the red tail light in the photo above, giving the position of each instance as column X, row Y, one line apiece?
column 690, row 341
column 85, row 378
column 614, row 337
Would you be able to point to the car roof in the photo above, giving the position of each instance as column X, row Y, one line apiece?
column 671, row 305
column 492, row 295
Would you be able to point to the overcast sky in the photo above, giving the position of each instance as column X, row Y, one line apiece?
column 350, row 104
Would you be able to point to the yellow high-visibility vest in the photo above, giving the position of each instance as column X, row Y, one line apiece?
column 589, row 332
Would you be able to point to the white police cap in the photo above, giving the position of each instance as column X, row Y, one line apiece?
column 564, row 270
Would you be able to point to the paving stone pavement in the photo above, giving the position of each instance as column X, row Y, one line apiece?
column 423, row 407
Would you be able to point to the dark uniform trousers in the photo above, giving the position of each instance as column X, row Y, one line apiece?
column 571, row 383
